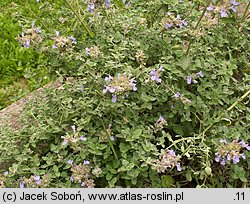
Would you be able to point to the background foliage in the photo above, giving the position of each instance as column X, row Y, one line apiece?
column 143, row 100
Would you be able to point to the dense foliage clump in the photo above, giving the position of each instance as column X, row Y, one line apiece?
column 154, row 94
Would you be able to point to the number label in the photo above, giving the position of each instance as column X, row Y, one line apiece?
column 240, row 196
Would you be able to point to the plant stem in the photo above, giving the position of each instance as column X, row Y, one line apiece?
column 245, row 13
column 197, row 24
column 108, row 18
column 227, row 110
column 38, row 19
column 80, row 19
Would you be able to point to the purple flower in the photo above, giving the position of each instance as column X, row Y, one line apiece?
column 210, row 8
column 185, row 23
column 114, row 98
column 73, row 128
column 5, row 173
column 112, row 138
column 171, row 152
column 133, row 86
column 132, row 83
column 236, row 159
column 82, row 89
column 107, row 3
column 38, row 30
column 223, row 141
column 177, row 95
column 27, row 43
column 65, row 142
column 73, row 39
column 243, row 156
column 86, row 162
column 91, row 7
column 108, row 78
column 112, row 89
column 200, row 74
column 105, row 90
column 87, row 51
column 235, row 3
column 169, row 25
column 36, row 178
column 228, row 157
column 178, row 167
column 71, row 179
column 83, row 138
column 83, row 184
column 54, row 47
column 154, row 76
column 38, row 182
column 195, row 81
column 70, row 162
column 233, row 9
column 217, row 158
column 189, row 79
column 245, row 145
column 21, row 184
column 161, row 119
column 223, row 13
column 223, row 162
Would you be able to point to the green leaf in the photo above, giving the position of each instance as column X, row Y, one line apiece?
column 55, row 168
column 109, row 141
column 208, row 170
column 109, row 176
column 137, row 133
column 119, row 3
column 167, row 181
column 243, row 179
column 112, row 182
column 186, row 63
column 58, row 174
column 188, row 176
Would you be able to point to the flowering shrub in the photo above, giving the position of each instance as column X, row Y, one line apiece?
column 22, row 70
column 231, row 151
column 148, row 101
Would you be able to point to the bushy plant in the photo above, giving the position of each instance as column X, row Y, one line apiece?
column 21, row 70
column 153, row 94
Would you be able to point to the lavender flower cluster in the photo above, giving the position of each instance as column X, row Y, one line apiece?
column 231, row 151
column 170, row 21
column 81, row 175
column 192, row 78
column 93, row 51
column 168, row 159
column 119, row 85
column 63, row 43
column 224, row 8
column 35, row 181
column 72, row 138
column 30, row 36
column 91, row 5
column 155, row 74
column 140, row 57
column 183, row 99
column 160, row 123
